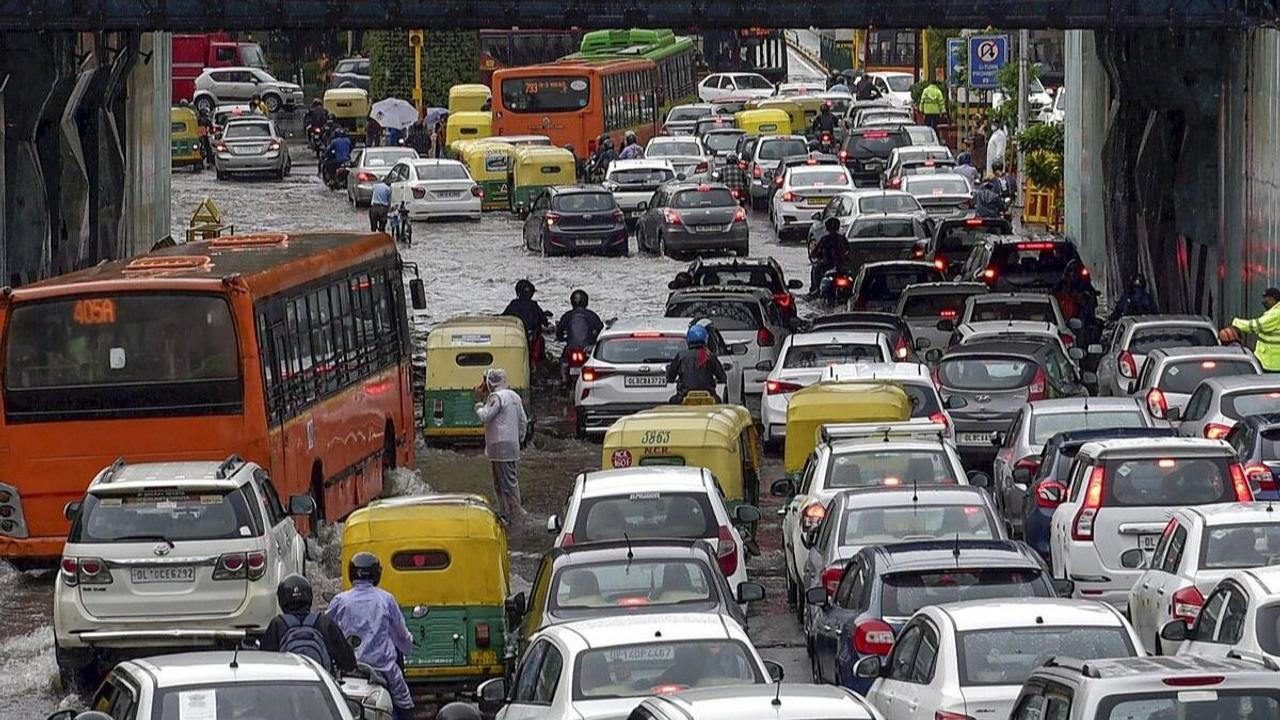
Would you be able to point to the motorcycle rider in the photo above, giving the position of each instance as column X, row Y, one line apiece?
column 1136, row 300
column 299, row 630
column 531, row 314
column 987, row 202
column 695, row 368
column 316, row 120
column 338, row 154
column 373, row 615
column 578, row 328
column 831, row 252
column 604, row 157
column 1002, row 182
column 825, row 122
column 204, row 128
column 631, row 149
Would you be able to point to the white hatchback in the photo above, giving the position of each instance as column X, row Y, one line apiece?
column 803, row 193
column 435, row 188
column 633, row 183
column 182, row 554
column 686, row 154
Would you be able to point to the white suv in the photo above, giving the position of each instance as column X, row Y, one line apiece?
column 224, row 85
column 1121, row 494
column 180, row 554
column 802, row 360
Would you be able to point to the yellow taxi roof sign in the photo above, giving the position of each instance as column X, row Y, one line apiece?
column 207, row 213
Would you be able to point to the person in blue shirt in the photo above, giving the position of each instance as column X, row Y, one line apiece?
column 379, row 206
column 373, row 615
column 338, row 154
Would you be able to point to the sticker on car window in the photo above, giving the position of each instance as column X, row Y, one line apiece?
column 1174, row 370
column 198, row 705
column 644, row 496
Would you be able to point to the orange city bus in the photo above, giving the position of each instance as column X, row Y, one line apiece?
column 574, row 102
column 292, row 351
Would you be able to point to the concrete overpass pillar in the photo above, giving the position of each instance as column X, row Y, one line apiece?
column 146, row 146
column 1088, row 98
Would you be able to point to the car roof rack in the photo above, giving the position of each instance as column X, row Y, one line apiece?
column 1071, row 663
column 110, row 473
column 1266, row 662
column 909, row 430
column 228, row 467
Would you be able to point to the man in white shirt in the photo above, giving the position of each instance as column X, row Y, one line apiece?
column 502, row 411
column 996, row 148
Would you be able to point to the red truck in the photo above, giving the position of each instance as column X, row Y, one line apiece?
column 193, row 53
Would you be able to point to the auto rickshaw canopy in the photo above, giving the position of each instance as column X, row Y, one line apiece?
column 838, row 402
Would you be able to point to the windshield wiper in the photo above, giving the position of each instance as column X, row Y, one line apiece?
column 141, row 538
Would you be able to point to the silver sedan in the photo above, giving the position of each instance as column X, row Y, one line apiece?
column 368, row 166
column 251, row 146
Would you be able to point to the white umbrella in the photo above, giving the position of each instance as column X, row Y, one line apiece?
column 394, row 112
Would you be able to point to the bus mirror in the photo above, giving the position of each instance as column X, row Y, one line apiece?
column 418, row 292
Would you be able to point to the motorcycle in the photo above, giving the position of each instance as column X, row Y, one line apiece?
column 316, row 140
column 824, row 143
column 337, row 178
column 836, row 287
column 571, row 362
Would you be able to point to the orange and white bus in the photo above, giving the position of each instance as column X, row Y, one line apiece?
column 292, row 351
column 574, row 102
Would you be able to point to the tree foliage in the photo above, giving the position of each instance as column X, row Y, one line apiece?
column 1044, row 145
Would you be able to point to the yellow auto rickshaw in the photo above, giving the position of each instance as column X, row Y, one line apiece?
column 470, row 98
column 349, row 107
column 470, row 125
column 795, row 113
column 444, row 559
column 184, row 139
column 837, row 402
column 459, row 351
column 534, row 168
column 720, row 438
column 810, row 106
column 769, row 121
column 489, row 161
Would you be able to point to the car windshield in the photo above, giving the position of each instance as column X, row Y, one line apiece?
column 630, row 585
column 876, row 468
column 1269, row 629
column 1045, row 426
column 712, row 197
column 888, row 228
column 760, row 276
column 1247, row 545
column 752, row 82
column 820, row 356
column 1007, row 656
column 643, row 515
column 1184, row 376
column 1033, row 258
column 960, row 238
column 1243, row 404
column 583, row 202
column 818, row 177
column 385, row 158
column 934, row 304
column 721, row 142
column 888, row 203
column 246, row 700
column 887, row 285
column 921, row 135
column 443, row 171
column 898, row 83
column 1024, row 310
column 165, row 512
column 904, row 593
column 662, row 667
column 668, row 149
column 639, row 348
column 1168, row 482
column 650, row 177
column 1145, row 340
column 1193, row 703
column 247, row 131
column 688, row 112
column 874, row 143
column 938, row 185
column 877, row 526
column 726, row 315
column 776, row 149
column 991, row 372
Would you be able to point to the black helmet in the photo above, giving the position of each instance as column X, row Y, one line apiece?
column 579, row 298
column 316, row 102
column 833, row 224
column 459, row 711
column 997, row 166
column 525, row 289
column 294, row 594
column 364, row 566
column 1138, row 280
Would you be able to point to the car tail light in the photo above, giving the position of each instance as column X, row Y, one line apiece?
column 989, row 274
column 895, row 183
column 1240, row 484
column 736, row 193
column 619, row 216
column 1157, row 405
column 275, row 145
column 477, row 191
column 701, row 167
column 1216, row 431
column 901, row 350
column 1030, row 463
column 567, row 540
column 843, row 281
column 220, row 147
column 1082, row 526
column 940, row 264
column 726, row 551
column 788, row 196
column 231, row 566
column 364, row 176
column 777, row 387
column 872, row 637
column 940, row 418
column 947, row 715
column 672, row 217
column 812, row 515
column 742, row 164
column 482, row 635
column 844, row 155
column 831, row 579
column 1084, row 271
column 778, row 182
column 1194, row 681
column 740, row 215
column 1047, row 499
column 1128, row 366
column 757, row 172
column 1067, row 339
column 1259, row 477
column 1186, row 603
column 764, row 337
column 1039, row 381
column 592, row 374
column 781, row 299
column 256, row 562
column 70, row 570
column 419, row 193
column 552, row 219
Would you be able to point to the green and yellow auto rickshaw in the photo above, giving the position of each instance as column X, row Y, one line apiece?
column 184, row 139
column 459, row 351
column 535, row 168
column 349, row 107
column 471, row 125
column 489, row 161
column 470, row 98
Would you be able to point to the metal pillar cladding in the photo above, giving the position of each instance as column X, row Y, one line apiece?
column 1088, row 100
column 147, row 166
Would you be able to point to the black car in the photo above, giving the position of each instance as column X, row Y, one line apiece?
column 1256, row 439
column 995, row 379
column 865, row 151
column 757, row 272
column 1013, row 263
column 874, row 238
column 685, row 218
column 954, row 238
column 574, row 219
column 891, row 324
column 623, row 578
column 878, row 285
column 350, row 73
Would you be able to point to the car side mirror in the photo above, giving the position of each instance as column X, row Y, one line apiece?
column 517, row 604
column 869, row 667
column 933, row 356
column 553, row 524
column 642, row 206
column 301, row 505
column 794, row 284
column 739, row 349
column 418, row 294
column 746, row 514
column 70, row 510
column 1064, row 588
column 764, row 366
column 1075, row 325
column 1089, row 378
column 979, row 479
column 946, row 325
column 1175, row 631
column 1094, row 349
column 1133, row 559
column 492, row 695
column 955, row 402
column 782, row 488
column 1173, row 414
column 776, row 672
column 1076, row 354
column 1021, row 476
column 817, row 595
column 923, row 344
column 750, row 592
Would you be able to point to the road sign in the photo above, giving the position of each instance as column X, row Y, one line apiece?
column 955, row 60
column 987, row 54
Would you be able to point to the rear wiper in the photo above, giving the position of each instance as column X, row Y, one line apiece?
column 656, row 360
column 140, row 538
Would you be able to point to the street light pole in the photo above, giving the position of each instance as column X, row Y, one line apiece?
column 1024, row 40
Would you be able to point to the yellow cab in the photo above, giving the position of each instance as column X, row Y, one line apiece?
column 795, row 113
column 489, row 161
column 769, row 121
column 459, row 351
column 349, row 107
column 470, row 98
column 467, row 125
column 444, row 559
column 828, row 403
column 535, row 168
column 184, row 139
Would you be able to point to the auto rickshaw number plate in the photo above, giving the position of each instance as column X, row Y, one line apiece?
column 656, row 437
column 483, row 657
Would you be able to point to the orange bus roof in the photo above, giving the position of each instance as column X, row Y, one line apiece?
column 267, row 262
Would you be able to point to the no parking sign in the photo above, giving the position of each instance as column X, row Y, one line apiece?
column 987, row 54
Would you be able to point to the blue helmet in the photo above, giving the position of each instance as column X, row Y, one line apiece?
column 697, row 335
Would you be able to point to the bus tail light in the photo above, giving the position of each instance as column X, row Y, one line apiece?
column 726, row 551
column 483, row 637
column 1082, row 526
column 872, row 637
column 1186, row 603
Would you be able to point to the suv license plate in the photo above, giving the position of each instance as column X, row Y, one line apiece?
column 974, row 438
column 645, row 381
column 181, row 573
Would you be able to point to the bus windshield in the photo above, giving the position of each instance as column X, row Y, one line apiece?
column 564, row 93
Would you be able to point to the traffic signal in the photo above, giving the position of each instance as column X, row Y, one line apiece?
column 415, row 38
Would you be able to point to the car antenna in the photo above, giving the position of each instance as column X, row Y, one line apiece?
column 235, row 653
column 915, row 493
column 630, row 554
column 777, row 693
column 956, row 550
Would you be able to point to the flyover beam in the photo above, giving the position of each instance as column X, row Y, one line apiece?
column 196, row 15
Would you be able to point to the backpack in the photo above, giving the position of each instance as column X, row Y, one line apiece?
column 302, row 637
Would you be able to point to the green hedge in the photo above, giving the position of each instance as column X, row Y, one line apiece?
column 449, row 58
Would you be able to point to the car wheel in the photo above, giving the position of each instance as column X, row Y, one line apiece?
column 793, row 595
column 77, row 669
column 273, row 102
column 814, row 669
column 220, row 175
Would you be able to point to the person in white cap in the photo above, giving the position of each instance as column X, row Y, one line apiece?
column 505, row 423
